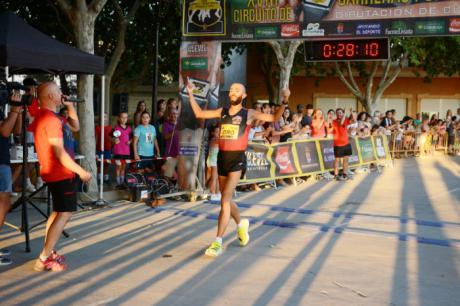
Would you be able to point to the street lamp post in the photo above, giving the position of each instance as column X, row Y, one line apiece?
column 156, row 38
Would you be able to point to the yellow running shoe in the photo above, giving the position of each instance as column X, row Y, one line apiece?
column 214, row 250
column 243, row 232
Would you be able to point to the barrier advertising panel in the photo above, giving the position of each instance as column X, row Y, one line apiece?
column 309, row 156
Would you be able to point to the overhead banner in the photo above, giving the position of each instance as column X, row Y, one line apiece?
column 308, row 156
column 247, row 20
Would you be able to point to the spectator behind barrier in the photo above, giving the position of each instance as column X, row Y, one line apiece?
column 145, row 144
column 171, row 138
column 121, row 140
column 141, row 107
column 107, row 142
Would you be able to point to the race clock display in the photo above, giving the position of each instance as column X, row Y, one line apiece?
column 347, row 50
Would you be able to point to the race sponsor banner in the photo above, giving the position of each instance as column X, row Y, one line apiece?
column 380, row 148
column 354, row 158
column 307, row 157
column 200, row 64
column 366, row 150
column 258, row 161
column 283, row 158
column 327, row 153
column 240, row 20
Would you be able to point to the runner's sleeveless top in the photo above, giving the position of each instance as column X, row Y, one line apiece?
column 234, row 130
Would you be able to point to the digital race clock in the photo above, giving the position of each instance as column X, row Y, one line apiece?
column 347, row 50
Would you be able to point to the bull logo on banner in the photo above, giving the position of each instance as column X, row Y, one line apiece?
column 205, row 17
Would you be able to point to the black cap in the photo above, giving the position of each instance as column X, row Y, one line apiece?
column 29, row 82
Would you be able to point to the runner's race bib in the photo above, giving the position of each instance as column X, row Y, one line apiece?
column 148, row 137
column 229, row 131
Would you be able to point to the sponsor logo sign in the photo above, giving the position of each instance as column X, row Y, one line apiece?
column 369, row 29
column 195, row 63
column 290, row 30
column 243, row 33
column 197, row 49
column 283, row 160
column 454, row 25
column 340, row 28
column 430, row 27
column 188, row 150
column 313, row 29
column 204, row 17
column 399, row 28
column 266, row 32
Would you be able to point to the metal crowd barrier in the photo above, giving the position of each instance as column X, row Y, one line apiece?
column 409, row 143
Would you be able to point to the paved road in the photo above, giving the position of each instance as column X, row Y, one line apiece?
column 381, row 239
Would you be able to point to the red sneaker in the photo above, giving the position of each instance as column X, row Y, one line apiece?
column 49, row 264
column 55, row 256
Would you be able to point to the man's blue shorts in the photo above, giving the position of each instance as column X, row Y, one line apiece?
column 6, row 181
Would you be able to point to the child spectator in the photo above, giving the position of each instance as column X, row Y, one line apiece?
column 107, row 143
column 145, row 145
column 121, row 145
column 375, row 131
column 451, row 134
column 211, row 163
column 363, row 120
column 171, row 140
column 399, row 132
column 257, row 132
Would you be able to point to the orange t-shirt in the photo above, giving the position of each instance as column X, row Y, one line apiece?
column 340, row 133
column 47, row 126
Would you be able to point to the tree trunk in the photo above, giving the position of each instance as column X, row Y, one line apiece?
column 120, row 47
column 369, row 97
column 285, row 61
column 267, row 67
column 84, row 32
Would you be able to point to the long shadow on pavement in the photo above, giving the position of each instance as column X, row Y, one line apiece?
column 433, row 262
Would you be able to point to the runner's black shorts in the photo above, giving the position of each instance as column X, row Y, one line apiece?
column 342, row 151
column 231, row 161
column 64, row 195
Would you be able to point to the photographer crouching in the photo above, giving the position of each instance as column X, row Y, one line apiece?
column 8, row 125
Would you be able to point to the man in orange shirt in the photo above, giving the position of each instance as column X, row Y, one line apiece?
column 342, row 147
column 54, row 145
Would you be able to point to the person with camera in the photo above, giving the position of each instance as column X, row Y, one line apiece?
column 54, row 145
column 33, row 108
column 8, row 125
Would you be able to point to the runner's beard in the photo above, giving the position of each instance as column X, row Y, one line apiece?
column 238, row 101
